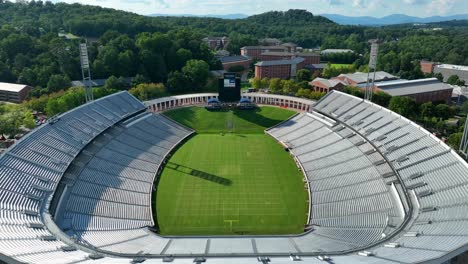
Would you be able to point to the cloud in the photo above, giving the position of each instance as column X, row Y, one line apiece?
column 441, row 7
column 415, row 2
column 359, row 3
column 336, row 2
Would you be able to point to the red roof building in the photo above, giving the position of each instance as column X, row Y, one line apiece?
column 325, row 86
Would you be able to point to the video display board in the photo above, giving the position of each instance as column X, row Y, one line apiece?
column 229, row 88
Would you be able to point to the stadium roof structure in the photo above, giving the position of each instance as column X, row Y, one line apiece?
column 382, row 190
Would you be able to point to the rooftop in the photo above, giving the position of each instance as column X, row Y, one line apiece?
column 265, row 47
column 328, row 83
column 405, row 87
column 278, row 53
column 452, row 67
column 307, row 54
column 317, row 66
column 361, row 77
column 12, row 87
column 229, row 59
column 280, row 62
column 336, row 51
column 289, row 44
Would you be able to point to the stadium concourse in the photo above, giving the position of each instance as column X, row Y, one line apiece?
column 382, row 189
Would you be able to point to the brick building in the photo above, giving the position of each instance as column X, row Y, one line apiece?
column 310, row 58
column 291, row 47
column 216, row 42
column 325, row 86
column 275, row 55
column 354, row 79
column 13, row 93
column 422, row 90
column 231, row 61
column 283, row 69
column 448, row 70
column 427, row 67
column 255, row 52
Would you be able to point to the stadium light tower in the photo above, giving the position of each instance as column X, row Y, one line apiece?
column 464, row 142
column 86, row 72
column 372, row 66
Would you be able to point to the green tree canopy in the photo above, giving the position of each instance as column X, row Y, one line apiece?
column 403, row 105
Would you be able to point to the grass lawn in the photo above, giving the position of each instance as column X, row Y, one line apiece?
column 233, row 183
column 237, row 121
column 336, row 65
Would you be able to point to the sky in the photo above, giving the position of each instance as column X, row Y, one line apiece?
column 377, row 8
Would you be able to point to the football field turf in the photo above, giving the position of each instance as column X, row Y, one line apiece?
column 230, row 184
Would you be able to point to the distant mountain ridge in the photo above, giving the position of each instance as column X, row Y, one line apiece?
column 227, row 16
column 391, row 19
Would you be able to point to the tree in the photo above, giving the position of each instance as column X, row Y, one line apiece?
column 303, row 75
column 443, row 111
column 116, row 83
column 427, row 110
column 275, row 85
column 28, row 120
column 403, row 105
column 353, row 91
column 178, row 83
column 455, row 80
column 183, row 55
column 139, row 79
column 439, row 76
column 464, row 108
column 148, row 91
column 58, row 82
column 381, row 98
column 454, row 140
column 197, row 71
column 256, row 83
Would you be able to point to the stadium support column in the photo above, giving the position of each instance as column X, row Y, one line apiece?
column 464, row 142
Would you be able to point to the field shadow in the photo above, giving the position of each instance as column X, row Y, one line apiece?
column 199, row 174
column 185, row 115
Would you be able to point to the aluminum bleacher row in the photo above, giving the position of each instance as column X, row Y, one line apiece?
column 32, row 168
column 350, row 199
column 382, row 190
column 436, row 177
column 113, row 190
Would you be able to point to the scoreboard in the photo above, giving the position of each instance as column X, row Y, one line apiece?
column 229, row 88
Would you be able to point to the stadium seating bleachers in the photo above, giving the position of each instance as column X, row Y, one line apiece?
column 382, row 190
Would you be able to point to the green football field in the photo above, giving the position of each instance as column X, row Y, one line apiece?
column 231, row 183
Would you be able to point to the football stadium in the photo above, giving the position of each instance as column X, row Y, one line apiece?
column 340, row 180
